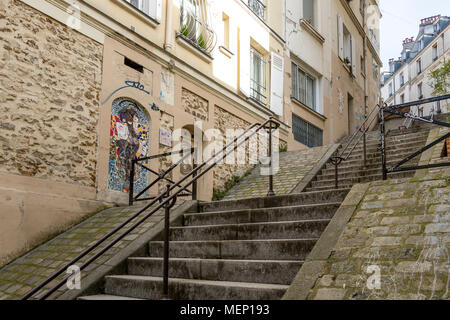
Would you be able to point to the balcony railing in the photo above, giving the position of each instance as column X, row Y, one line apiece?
column 258, row 8
column 194, row 27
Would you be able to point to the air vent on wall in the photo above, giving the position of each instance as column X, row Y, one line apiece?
column 133, row 65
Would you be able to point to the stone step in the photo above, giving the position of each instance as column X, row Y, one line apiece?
column 355, row 180
column 288, row 213
column 282, row 249
column 341, row 185
column 345, row 168
column 390, row 147
column 264, row 271
column 371, row 162
column 376, row 155
column 275, row 202
column 349, row 174
column 106, row 298
column 144, row 287
column 252, row 231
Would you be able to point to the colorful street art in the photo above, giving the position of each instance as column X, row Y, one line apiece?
column 130, row 133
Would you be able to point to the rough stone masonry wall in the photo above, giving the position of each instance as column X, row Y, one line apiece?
column 402, row 229
column 223, row 121
column 50, row 77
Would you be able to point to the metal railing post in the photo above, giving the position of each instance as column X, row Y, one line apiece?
column 131, row 195
column 194, row 184
column 383, row 144
column 365, row 145
column 167, row 208
column 271, row 193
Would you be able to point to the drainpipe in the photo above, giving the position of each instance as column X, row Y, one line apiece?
column 168, row 43
column 365, row 85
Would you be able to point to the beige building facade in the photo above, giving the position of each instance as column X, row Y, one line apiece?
column 87, row 84
column 335, row 65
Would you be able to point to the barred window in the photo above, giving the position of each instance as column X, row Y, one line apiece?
column 194, row 25
column 306, row 133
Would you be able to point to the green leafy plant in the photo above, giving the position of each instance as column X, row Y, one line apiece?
column 440, row 80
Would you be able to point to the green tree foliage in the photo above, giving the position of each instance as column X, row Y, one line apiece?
column 440, row 80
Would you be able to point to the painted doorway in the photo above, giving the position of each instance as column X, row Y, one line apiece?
column 130, row 139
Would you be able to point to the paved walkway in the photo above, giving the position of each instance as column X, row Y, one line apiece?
column 294, row 166
column 25, row 273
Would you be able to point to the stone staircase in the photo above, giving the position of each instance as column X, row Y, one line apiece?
column 252, row 249
column 352, row 171
column 242, row 249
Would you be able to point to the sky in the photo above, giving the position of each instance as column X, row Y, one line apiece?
column 401, row 19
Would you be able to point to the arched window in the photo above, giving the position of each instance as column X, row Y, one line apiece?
column 130, row 139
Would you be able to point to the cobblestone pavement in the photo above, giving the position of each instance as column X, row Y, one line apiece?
column 294, row 166
column 20, row 276
column 400, row 234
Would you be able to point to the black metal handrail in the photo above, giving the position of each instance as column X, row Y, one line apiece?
column 396, row 110
column 340, row 157
column 160, row 176
column 166, row 201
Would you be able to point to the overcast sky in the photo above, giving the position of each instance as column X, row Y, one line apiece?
column 401, row 19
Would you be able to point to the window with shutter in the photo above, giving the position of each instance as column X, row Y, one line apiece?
column 277, row 84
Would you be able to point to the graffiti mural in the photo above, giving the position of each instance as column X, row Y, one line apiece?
column 130, row 132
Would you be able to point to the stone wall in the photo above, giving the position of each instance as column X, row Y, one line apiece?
column 396, row 244
column 50, row 78
column 401, row 232
column 223, row 120
column 195, row 105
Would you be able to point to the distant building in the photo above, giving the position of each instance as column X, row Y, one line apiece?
column 407, row 79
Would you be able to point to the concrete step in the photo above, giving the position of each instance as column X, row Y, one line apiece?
column 288, row 213
column 371, row 162
column 345, row 168
column 341, row 185
column 144, row 287
column 106, row 297
column 281, row 249
column 267, row 271
column 275, row 202
column 251, row 231
column 355, row 180
column 390, row 147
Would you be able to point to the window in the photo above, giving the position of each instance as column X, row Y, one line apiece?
column 347, row 47
column 149, row 7
column 309, row 11
column 402, row 99
column 419, row 66
column 306, row 133
column 391, row 91
column 419, row 90
column 226, row 31
column 258, row 77
column 402, row 79
column 303, row 87
column 435, row 52
column 194, row 25
column 375, row 68
column 257, row 7
column 420, row 112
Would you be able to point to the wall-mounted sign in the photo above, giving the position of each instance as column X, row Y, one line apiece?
column 165, row 137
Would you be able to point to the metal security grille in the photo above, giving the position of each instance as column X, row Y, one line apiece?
column 306, row 133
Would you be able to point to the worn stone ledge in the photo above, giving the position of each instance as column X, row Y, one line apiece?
column 317, row 259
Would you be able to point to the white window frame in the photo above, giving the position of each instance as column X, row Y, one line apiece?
column 146, row 6
column 296, row 87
